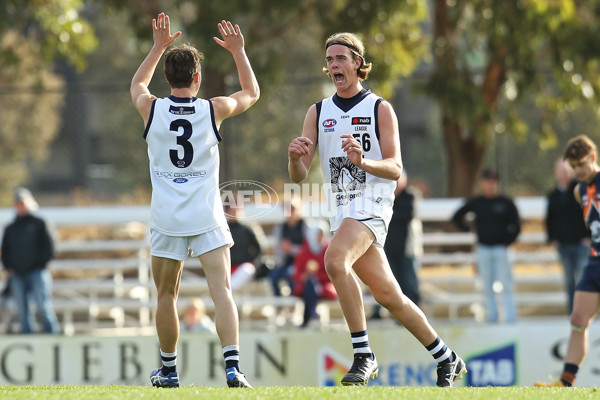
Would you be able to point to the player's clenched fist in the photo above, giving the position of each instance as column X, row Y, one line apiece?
column 299, row 147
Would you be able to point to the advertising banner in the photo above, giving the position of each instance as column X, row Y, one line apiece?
column 496, row 355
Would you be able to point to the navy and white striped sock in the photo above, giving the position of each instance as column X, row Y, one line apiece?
column 169, row 362
column 231, row 354
column 440, row 352
column 360, row 343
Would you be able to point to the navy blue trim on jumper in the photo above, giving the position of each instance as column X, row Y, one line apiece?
column 318, row 105
column 212, row 119
column 176, row 99
column 376, row 113
column 346, row 104
column 149, row 119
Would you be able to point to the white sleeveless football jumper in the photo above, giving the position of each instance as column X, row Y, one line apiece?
column 351, row 192
column 183, row 140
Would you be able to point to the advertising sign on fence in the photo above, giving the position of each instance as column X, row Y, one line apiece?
column 497, row 355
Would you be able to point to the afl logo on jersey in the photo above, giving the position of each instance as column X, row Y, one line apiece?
column 329, row 123
column 180, row 180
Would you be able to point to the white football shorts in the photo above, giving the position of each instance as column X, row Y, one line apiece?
column 378, row 227
column 179, row 247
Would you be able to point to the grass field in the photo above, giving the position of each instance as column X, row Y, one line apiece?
column 291, row 393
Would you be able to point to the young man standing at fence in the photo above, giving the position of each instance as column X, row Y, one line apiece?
column 27, row 248
column 359, row 148
column 186, row 209
column 497, row 225
column 581, row 153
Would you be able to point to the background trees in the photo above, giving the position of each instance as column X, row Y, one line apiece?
column 32, row 34
column 474, row 82
column 494, row 60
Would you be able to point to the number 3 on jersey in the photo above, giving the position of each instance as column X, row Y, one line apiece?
column 183, row 141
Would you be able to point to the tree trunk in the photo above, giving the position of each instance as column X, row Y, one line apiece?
column 464, row 156
column 466, row 141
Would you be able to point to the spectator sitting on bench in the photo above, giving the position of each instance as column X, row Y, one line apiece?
column 246, row 249
column 311, row 281
column 195, row 319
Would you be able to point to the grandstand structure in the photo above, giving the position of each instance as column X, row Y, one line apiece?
column 103, row 282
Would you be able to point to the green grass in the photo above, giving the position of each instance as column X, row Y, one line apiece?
column 292, row 393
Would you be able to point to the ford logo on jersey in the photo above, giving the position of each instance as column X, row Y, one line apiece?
column 328, row 123
column 180, row 180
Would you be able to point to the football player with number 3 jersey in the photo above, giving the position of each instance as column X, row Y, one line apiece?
column 182, row 133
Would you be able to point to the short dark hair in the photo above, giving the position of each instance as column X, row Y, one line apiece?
column 578, row 148
column 181, row 63
column 489, row 173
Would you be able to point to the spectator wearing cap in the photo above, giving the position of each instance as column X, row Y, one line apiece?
column 497, row 224
column 27, row 247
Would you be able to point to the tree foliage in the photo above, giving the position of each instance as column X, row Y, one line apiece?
column 285, row 45
column 51, row 28
column 34, row 33
column 493, row 56
column 518, row 67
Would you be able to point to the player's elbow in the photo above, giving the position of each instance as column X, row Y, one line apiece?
column 133, row 87
column 135, row 90
column 254, row 94
column 397, row 170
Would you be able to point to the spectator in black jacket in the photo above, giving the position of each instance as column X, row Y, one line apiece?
column 404, row 243
column 497, row 225
column 27, row 247
column 566, row 229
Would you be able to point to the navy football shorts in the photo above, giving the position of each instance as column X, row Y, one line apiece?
column 590, row 279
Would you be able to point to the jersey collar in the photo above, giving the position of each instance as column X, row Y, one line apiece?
column 176, row 99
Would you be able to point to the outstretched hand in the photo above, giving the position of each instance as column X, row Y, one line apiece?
column 161, row 31
column 232, row 36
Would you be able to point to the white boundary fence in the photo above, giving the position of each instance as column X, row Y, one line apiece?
column 118, row 289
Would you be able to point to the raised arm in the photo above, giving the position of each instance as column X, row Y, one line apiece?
column 238, row 102
column 140, row 95
column 302, row 149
